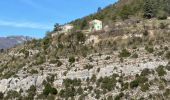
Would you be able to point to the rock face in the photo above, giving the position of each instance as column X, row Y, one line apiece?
column 7, row 42
column 21, row 83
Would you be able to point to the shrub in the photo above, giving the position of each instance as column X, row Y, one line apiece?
column 167, row 55
column 80, row 37
column 108, row 83
column 49, row 90
column 160, row 70
column 98, row 70
column 31, row 92
column 135, row 55
column 149, row 49
column 1, row 95
column 110, row 98
column 54, row 91
column 12, row 95
column 162, row 26
column 72, row 59
column 125, row 86
column 124, row 53
column 70, row 92
column 107, row 58
column 80, row 91
column 144, row 87
column 59, row 63
column 145, row 33
column 69, row 82
column 168, row 66
column 62, row 93
column 33, row 71
column 166, row 48
column 145, row 72
column 134, row 84
column 118, row 97
column 166, row 93
column 88, row 67
column 93, row 78
column 162, row 15
column 40, row 60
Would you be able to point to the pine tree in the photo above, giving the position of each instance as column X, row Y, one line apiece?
column 148, row 9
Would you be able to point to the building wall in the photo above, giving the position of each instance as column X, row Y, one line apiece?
column 96, row 25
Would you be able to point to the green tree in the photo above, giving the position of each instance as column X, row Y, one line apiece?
column 148, row 9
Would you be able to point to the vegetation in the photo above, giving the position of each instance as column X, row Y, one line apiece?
column 160, row 70
column 72, row 59
column 149, row 49
column 124, row 53
column 49, row 90
column 88, row 66
column 167, row 55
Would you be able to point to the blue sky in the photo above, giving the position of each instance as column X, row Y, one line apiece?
column 35, row 17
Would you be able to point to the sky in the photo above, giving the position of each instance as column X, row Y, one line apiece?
column 35, row 17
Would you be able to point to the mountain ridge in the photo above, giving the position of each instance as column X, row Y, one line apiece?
column 10, row 41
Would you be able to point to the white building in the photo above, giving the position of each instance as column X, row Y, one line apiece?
column 66, row 28
column 96, row 25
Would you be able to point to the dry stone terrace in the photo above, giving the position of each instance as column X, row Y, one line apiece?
column 107, row 63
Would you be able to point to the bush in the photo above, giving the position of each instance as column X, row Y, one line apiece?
column 107, row 83
column 107, row 58
column 80, row 37
column 134, row 84
column 168, row 66
column 33, row 71
column 162, row 26
column 167, row 55
column 110, row 98
column 145, row 72
column 167, row 93
column 135, row 55
column 88, row 67
column 12, row 95
column 118, row 97
column 162, row 15
column 124, row 53
column 1, row 95
column 72, row 59
column 93, row 78
column 49, row 90
column 62, row 93
column 40, row 60
column 54, row 91
column 149, row 49
column 80, row 91
column 59, row 63
column 125, row 86
column 144, row 87
column 145, row 33
column 31, row 92
column 160, row 70
column 69, row 82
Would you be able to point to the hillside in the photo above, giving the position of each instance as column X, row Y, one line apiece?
column 127, row 60
column 10, row 41
column 125, row 9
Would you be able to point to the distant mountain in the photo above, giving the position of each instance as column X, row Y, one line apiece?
column 7, row 42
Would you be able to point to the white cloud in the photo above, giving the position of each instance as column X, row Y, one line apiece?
column 24, row 25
